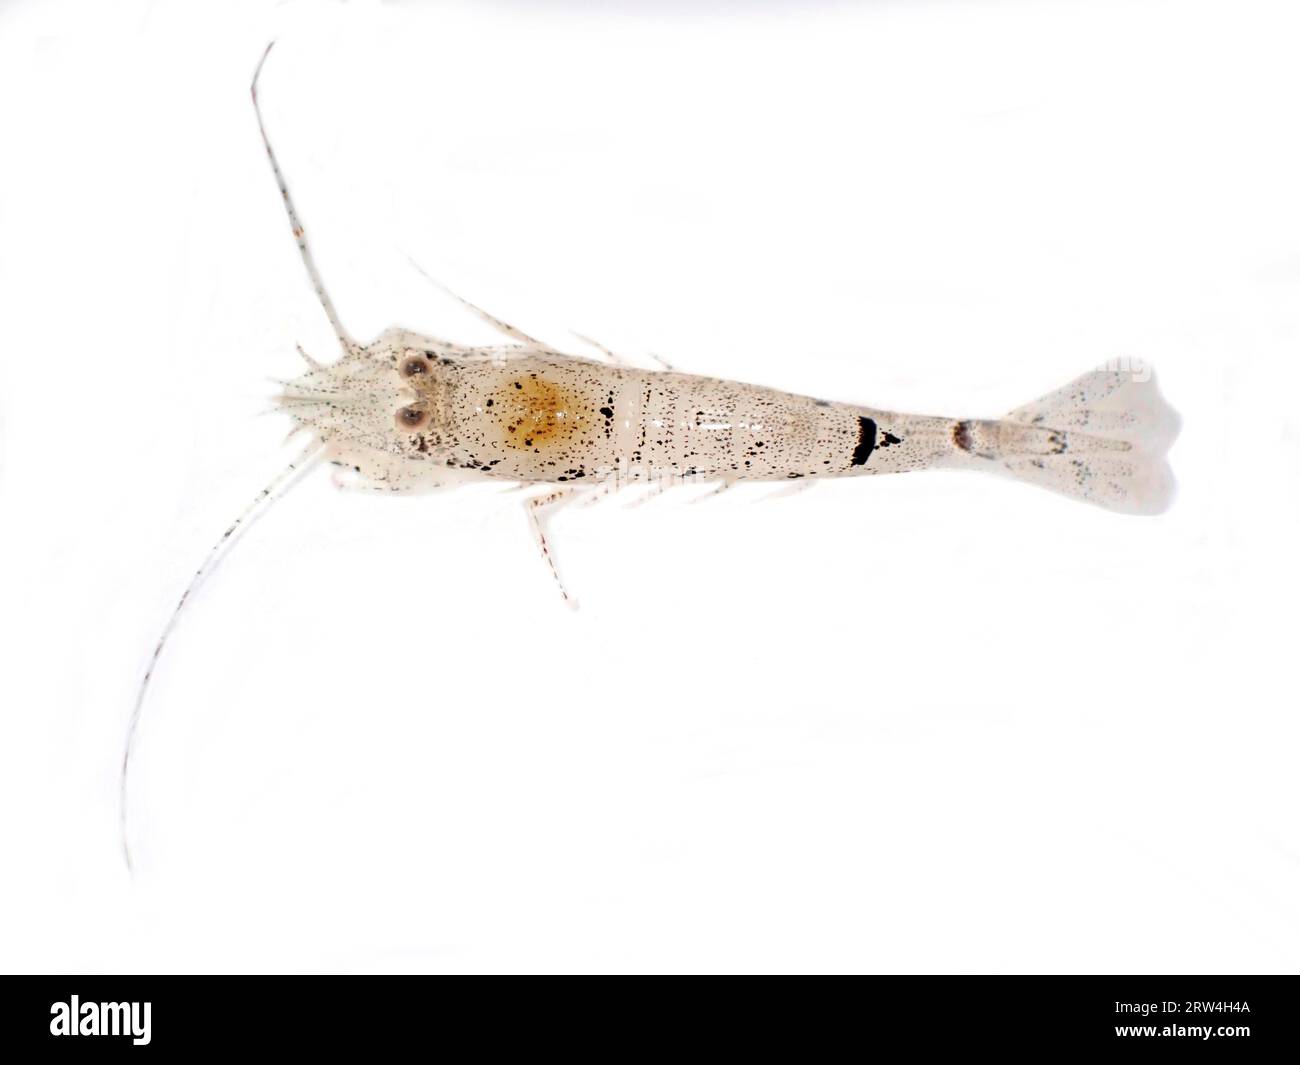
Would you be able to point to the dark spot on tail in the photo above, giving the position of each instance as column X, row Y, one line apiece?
column 866, row 441
column 889, row 438
column 961, row 435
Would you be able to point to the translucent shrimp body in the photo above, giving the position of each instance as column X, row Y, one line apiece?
column 546, row 418
column 410, row 412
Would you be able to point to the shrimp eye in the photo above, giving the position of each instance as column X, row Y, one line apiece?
column 413, row 367
column 411, row 418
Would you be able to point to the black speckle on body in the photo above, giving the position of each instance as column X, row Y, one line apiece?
column 866, row 441
column 961, row 435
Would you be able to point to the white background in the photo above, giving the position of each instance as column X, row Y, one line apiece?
column 928, row 723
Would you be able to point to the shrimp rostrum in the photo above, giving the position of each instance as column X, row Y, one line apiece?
column 409, row 412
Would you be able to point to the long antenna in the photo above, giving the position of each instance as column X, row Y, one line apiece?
column 285, row 479
column 349, row 345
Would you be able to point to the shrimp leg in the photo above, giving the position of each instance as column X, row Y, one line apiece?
column 504, row 328
column 713, row 493
column 616, row 358
column 534, row 506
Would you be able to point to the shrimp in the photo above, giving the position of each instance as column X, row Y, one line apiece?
column 412, row 413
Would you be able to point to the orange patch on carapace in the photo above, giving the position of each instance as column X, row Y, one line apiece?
column 535, row 414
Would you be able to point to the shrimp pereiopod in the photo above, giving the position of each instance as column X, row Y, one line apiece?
column 409, row 412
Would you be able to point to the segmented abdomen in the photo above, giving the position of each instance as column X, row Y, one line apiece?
column 540, row 419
